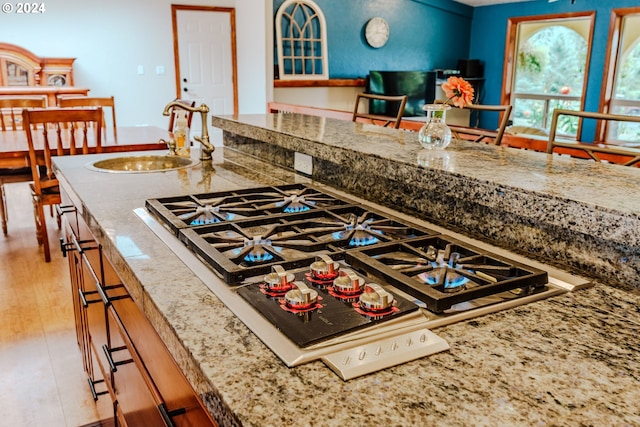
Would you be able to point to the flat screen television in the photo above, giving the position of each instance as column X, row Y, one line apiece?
column 419, row 86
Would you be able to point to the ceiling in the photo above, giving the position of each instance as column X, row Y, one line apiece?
column 486, row 2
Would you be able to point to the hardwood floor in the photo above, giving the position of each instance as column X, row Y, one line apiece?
column 41, row 378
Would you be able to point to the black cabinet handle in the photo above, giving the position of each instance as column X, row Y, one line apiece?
column 65, row 247
column 92, row 386
column 107, row 353
column 96, row 279
column 113, row 365
column 168, row 415
column 61, row 210
column 83, row 299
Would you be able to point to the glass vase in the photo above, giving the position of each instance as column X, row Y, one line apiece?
column 435, row 133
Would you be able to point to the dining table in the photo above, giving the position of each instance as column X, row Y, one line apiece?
column 14, row 148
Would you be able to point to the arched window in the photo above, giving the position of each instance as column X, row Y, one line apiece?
column 624, row 97
column 301, row 37
column 547, row 68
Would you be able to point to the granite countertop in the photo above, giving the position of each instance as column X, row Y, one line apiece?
column 570, row 360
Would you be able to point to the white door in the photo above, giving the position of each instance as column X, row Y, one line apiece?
column 205, row 58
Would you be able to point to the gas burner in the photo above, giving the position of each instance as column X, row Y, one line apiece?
column 347, row 285
column 358, row 231
column 297, row 200
column 449, row 276
column 205, row 215
column 278, row 282
column 324, row 269
column 375, row 301
column 295, row 203
column 301, row 299
column 256, row 250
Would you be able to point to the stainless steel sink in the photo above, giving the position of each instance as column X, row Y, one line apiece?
column 141, row 164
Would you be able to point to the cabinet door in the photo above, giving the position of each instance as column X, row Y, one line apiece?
column 136, row 403
column 176, row 398
column 102, row 285
column 79, row 308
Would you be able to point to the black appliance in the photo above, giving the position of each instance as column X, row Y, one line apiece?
column 419, row 86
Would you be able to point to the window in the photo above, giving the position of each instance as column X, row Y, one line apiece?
column 549, row 57
column 622, row 90
column 301, row 38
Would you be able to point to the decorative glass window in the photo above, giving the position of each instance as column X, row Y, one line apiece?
column 546, row 68
column 623, row 96
column 549, row 72
column 301, row 37
column 17, row 75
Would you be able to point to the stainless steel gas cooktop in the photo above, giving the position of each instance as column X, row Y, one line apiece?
column 318, row 275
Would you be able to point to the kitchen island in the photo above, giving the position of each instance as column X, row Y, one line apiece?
column 568, row 360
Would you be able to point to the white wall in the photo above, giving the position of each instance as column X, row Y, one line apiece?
column 110, row 39
column 333, row 98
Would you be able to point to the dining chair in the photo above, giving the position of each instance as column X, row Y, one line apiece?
column 473, row 132
column 91, row 101
column 392, row 105
column 11, row 110
column 172, row 115
column 56, row 132
column 600, row 150
column 11, row 121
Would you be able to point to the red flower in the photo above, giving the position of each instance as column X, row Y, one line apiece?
column 459, row 91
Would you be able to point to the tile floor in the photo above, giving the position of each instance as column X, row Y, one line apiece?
column 42, row 382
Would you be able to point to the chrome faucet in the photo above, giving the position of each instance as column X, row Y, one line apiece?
column 207, row 148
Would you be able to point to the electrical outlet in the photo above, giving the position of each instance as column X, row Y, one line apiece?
column 303, row 163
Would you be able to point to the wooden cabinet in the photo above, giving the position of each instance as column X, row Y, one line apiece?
column 123, row 356
column 20, row 67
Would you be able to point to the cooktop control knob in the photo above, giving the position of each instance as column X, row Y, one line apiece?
column 324, row 268
column 375, row 298
column 301, row 297
column 348, row 282
column 279, row 279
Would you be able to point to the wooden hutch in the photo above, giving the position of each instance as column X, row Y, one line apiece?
column 24, row 73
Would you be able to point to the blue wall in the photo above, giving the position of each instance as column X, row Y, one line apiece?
column 424, row 35
column 489, row 31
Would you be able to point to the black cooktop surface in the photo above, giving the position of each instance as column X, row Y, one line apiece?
column 333, row 314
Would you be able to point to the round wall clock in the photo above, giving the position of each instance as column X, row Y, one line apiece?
column 376, row 32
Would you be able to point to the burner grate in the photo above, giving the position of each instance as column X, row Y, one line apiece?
column 210, row 208
column 441, row 271
column 242, row 249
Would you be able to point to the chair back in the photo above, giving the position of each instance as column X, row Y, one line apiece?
column 601, row 150
column 477, row 134
column 59, row 132
column 394, row 104
column 90, row 101
column 11, row 110
column 172, row 115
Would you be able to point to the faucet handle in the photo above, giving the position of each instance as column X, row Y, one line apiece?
column 171, row 144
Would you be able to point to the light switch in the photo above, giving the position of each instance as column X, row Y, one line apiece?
column 140, row 70
column 159, row 70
